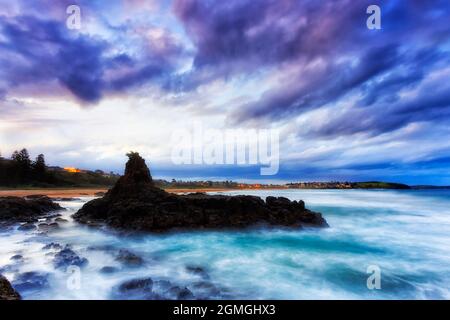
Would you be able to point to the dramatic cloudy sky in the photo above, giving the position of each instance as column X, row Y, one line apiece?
column 350, row 103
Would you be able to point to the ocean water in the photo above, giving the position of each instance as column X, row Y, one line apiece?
column 406, row 234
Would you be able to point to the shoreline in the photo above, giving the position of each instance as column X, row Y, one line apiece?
column 75, row 192
column 91, row 192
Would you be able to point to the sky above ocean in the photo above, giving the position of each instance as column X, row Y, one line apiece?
column 350, row 103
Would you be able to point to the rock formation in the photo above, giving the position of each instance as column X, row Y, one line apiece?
column 28, row 209
column 7, row 292
column 134, row 203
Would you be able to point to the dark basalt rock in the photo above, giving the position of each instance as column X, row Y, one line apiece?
column 67, row 257
column 179, row 293
column 27, row 226
column 27, row 209
column 17, row 257
column 66, row 199
column 197, row 271
column 206, row 290
column 52, row 246
column 108, row 270
column 129, row 258
column 29, row 281
column 135, row 289
column 7, row 292
column 134, row 203
column 147, row 289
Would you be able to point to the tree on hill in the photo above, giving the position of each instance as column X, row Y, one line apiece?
column 22, row 165
column 39, row 168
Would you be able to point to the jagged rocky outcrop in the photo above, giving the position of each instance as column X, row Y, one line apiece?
column 134, row 203
column 7, row 292
column 27, row 209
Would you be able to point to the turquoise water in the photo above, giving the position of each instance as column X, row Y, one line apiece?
column 404, row 233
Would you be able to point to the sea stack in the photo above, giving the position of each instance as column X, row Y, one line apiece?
column 135, row 203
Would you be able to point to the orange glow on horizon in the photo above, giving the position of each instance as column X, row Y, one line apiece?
column 72, row 170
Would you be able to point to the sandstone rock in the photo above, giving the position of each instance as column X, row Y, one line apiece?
column 134, row 203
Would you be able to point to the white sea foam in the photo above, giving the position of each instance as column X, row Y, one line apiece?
column 405, row 233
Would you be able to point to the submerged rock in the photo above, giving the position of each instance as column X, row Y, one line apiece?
column 179, row 293
column 135, row 289
column 17, row 257
column 129, row 258
column 200, row 271
column 27, row 209
column 134, row 203
column 7, row 292
column 27, row 226
column 52, row 245
column 66, row 199
column 31, row 281
column 147, row 289
column 108, row 270
column 206, row 290
column 67, row 257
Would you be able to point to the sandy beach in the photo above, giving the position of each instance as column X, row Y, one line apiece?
column 67, row 193
column 52, row 193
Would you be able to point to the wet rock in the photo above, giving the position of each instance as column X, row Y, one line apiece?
column 17, row 257
column 129, row 258
column 106, row 247
column 45, row 227
column 162, row 286
column 61, row 220
column 197, row 271
column 135, row 289
column 108, row 270
column 31, row 281
column 27, row 227
column 180, row 293
column 134, row 203
column 67, row 257
column 206, row 290
column 52, row 246
column 137, row 284
column 65, row 199
column 27, row 209
column 10, row 268
column 7, row 292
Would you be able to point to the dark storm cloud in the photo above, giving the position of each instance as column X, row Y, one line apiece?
column 242, row 36
column 38, row 52
column 266, row 31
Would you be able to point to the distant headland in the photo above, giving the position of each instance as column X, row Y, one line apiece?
column 19, row 172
